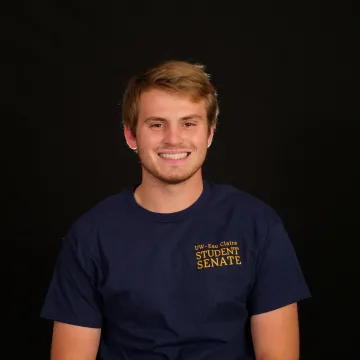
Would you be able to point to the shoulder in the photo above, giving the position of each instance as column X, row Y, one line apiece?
column 110, row 209
column 244, row 204
column 104, row 214
column 253, row 217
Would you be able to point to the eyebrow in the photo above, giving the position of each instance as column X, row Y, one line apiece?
column 187, row 117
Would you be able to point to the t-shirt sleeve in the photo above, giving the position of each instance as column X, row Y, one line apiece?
column 279, row 279
column 72, row 296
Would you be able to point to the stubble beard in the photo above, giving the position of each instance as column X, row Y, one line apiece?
column 177, row 176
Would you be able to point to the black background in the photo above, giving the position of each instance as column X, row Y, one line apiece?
column 287, row 134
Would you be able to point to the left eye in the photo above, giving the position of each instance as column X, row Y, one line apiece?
column 189, row 124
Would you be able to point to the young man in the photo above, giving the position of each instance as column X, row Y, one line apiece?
column 177, row 267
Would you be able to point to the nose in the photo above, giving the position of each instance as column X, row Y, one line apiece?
column 173, row 136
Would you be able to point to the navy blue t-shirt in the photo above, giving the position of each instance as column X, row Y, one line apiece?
column 175, row 286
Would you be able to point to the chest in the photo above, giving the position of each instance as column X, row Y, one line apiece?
column 198, row 265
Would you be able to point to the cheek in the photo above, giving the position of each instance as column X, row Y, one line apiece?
column 201, row 139
column 148, row 143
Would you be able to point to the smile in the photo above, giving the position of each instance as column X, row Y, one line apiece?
column 176, row 156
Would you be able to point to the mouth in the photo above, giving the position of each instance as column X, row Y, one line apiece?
column 174, row 156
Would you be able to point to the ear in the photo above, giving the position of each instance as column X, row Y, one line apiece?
column 130, row 139
column 211, row 135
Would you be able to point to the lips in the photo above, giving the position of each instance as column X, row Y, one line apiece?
column 174, row 156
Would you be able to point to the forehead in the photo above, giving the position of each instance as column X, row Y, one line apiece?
column 155, row 102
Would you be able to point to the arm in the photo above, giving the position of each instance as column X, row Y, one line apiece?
column 71, row 342
column 278, row 287
column 73, row 302
column 275, row 334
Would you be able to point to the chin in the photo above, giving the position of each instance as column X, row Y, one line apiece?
column 170, row 176
column 173, row 179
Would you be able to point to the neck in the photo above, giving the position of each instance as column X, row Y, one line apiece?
column 157, row 196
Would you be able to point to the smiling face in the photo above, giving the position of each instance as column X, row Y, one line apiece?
column 172, row 136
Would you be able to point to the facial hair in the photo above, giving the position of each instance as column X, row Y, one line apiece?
column 168, row 177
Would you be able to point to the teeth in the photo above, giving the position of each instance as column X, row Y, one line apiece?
column 174, row 156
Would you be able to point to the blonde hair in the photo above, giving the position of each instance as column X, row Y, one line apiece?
column 176, row 77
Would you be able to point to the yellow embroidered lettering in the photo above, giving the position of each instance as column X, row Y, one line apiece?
column 223, row 262
column 217, row 253
column 212, row 246
column 203, row 253
column 214, row 257
column 231, row 251
column 214, row 262
column 231, row 259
